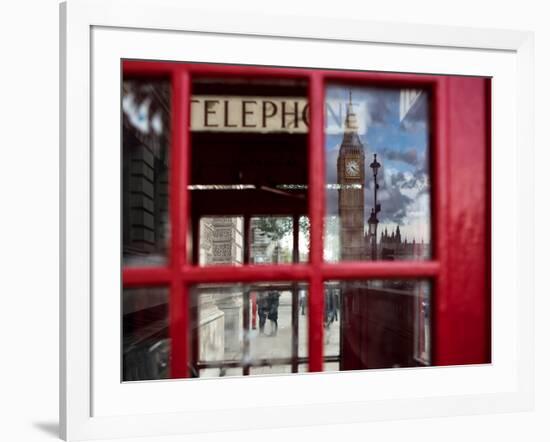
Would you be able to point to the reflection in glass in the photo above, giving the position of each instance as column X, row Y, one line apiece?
column 271, row 240
column 372, row 324
column 248, row 205
column 221, row 240
column 271, row 369
column 386, row 323
column 262, row 328
column 145, row 160
column 303, row 239
column 145, row 343
column 377, row 163
column 245, row 329
column 274, row 314
column 332, row 322
column 249, row 161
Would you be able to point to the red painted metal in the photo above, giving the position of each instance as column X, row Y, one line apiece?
column 315, row 324
column 462, row 297
column 489, row 220
column 316, row 215
column 150, row 276
column 179, row 204
column 151, row 68
column 138, row 68
column 246, row 273
column 316, row 170
column 154, row 68
column 440, row 199
column 385, row 79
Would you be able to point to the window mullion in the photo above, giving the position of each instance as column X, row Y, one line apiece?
column 316, row 154
column 179, row 204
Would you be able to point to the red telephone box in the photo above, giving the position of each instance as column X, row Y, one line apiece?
column 248, row 149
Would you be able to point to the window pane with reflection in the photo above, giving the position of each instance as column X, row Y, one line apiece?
column 145, row 337
column 246, row 328
column 271, row 240
column 221, row 240
column 377, row 174
column 332, row 324
column 386, row 323
column 249, row 161
column 145, row 168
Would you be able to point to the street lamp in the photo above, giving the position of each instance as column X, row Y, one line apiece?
column 375, row 165
column 373, row 220
column 373, row 227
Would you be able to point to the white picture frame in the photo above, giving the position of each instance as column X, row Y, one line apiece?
column 94, row 36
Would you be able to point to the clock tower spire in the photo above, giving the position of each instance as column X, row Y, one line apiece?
column 351, row 191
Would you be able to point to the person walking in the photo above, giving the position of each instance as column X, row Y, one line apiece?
column 302, row 302
column 263, row 309
column 273, row 312
column 331, row 307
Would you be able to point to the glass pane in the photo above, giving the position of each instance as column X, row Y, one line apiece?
column 377, row 174
column 303, row 314
column 244, row 329
column 331, row 366
column 219, row 372
column 260, row 328
column 386, row 323
column 332, row 320
column 219, row 324
column 268, row 369
column 271, row 240
column 271, row 336
column 221, row 240
column 303, row 239
column 331, row 323
column 145, row 343
column 249, row 161
column 373, row 324
column 145, row 164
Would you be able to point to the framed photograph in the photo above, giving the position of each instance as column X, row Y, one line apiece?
column 320, row 219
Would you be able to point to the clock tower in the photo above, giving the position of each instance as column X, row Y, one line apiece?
column 351, row 190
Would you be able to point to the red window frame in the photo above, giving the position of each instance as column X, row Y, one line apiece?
column 460, row 177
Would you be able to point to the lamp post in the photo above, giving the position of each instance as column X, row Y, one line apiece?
column 373, row 220
column 373, row 224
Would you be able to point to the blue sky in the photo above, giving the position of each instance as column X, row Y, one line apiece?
column 402, row 149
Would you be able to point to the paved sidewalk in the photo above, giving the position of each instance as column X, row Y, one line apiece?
column 279, row 346
column 269, row 346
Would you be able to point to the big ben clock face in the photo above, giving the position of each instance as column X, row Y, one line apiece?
column 352, row 168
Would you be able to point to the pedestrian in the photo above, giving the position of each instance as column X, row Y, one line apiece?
column 303, row 302
column 336, row 301
column 273, row 312
column 331, row 313
column 263, row 309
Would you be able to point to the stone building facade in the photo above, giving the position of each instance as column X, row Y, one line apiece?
column 220, row 307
